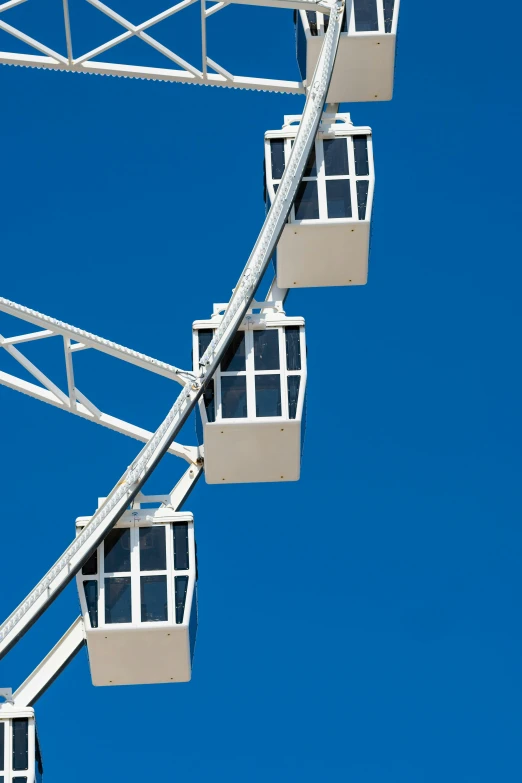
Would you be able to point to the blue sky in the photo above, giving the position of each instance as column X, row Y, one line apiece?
column 364, row 623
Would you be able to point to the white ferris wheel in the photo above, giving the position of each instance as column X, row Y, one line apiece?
column 134, row 559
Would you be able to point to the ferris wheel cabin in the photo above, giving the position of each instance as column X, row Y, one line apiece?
column 365, row 63
column 20, row 758
column 138, row 599
column 326, row 241
column 251, row 415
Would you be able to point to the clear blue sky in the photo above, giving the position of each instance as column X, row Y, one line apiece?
column 364, row 623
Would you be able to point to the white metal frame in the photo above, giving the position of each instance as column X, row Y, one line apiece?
column 72, row 400
column 185, row 72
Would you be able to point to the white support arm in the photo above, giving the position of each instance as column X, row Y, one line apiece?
column 148, row 459
column 52, row 665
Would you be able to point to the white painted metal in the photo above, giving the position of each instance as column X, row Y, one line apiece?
column 74, row 401
column 138, row 472
column 365, row 64
column 18, row 734
column 185, row 72
column 52, row 665
column 133, row 647
column 249, row 444
column 326, row 250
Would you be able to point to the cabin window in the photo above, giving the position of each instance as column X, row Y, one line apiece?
column 233, row 397
column 117, row 551
column 360, row 150
column 306, row 203
column 234, row 357
column 180, row 589
column 312, row 21
column 389, row 6
column 277, row 152
column 2, row 747
column 90, row 587
column 338, row 198
column 20, row 743
column 91, row 566
column 266, row 349
column 362, row 197
column 335, row 157
column 366, row 17
column 181, row 547
column 204, row 340
column 153, row 553
column 293, row 347
column 294, row 382
column 118, row 600
column 154, row 607
column 268, row 395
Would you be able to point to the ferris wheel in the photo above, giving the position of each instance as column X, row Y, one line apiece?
column 134, row 558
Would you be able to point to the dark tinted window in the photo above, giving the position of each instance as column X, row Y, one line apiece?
column 306, row 203
column 193, row 622
column 204, row 338
column 335, row 157
column 293, row 348
column 153, row 556
column 344, row 23
column 277, row 150
column 268, row 395
column 154, row 599
column 209, row 399
column 117, row 551
column 19, row 780
column 91, row 566
column 20, row 743
column 91, row 597
column 388, row 15
column 181, row 584
column 294, row 381
column 312, row 21
column 301, row 45
column 266, row 349
column 234, row 358
column 362, row 197
column 233, row 397
column 311, row 166
column 181, row 547
column 118, row 600
column 2, row 745
column 360, row 148
column 366, row 19
column 338, row 198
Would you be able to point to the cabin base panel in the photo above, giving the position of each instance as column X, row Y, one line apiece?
column 139, row 656
column 252, row 452
column 323, row 254
column 364, row 67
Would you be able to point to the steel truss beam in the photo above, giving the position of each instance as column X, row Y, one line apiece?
column 185, row 72
column 134, row 478
column 74, row 401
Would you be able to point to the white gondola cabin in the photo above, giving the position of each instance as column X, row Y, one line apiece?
column 326, row 241
column 365, row 63
column 251, row 416
column 138, row 599
column 20, row 758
